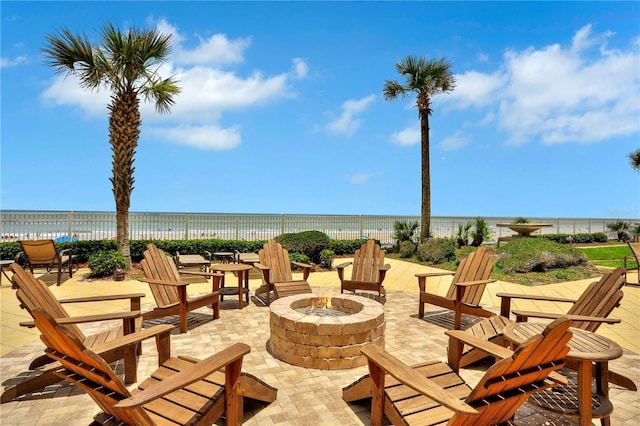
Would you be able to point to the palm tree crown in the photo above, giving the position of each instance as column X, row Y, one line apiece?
column 425, row 78
column 126, row 64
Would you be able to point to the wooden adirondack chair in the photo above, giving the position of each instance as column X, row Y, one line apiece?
column 467, row 286
column 275, row 267
column 170, row 291
column 368, row 271
column 432, row 393
column 588, row 312
column 635, row 254
column 43, row 253
column 34, row 294
column 181, row 391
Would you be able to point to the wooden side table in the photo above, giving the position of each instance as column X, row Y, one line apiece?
column 585, row 350
column 242, row 270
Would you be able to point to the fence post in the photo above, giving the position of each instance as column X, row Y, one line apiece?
column 281, row 223
column 362, row 227
column 69, row 220
column 186, row 226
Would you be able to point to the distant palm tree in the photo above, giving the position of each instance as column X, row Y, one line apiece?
column 126, row 64
column 634, row 159
column 426, row 78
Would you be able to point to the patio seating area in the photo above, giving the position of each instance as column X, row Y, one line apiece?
column 305, row 396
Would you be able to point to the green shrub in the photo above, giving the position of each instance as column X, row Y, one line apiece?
column 407, row 248
column 298, row 257
column 326, row 258
column 537, row 255
column 462, row 237
column 106, row 262
column 347, row 247
column 311, row 243
column 480, row 232
column 403, row 230
column 621, row 228
column 437, row 250
column 520, row 219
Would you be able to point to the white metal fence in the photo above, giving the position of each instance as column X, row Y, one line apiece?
column 62, row 225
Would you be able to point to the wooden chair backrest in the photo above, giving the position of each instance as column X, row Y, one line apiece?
column 156, row 265
column 475, row 267
column 39, row 252
column 35, row 294
column 599, row 299
column 276, row 257
column 635, row 249
column 507, row 384
column 367, row 261
column 87, row 370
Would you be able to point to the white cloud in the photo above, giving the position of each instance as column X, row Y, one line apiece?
column 347, row 123
column 203, row 137
column 580, row 93
column 300, row 68
column 457, row 141
column 360, row 178
column 12, row 62
column 407, row 137
column 207, row 90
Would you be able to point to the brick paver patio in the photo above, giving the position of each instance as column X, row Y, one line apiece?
column 305, row 396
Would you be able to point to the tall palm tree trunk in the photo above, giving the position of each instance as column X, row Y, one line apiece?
column 124, row 130
column 425, row 213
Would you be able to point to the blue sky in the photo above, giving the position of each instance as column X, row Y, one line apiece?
column 281, row 109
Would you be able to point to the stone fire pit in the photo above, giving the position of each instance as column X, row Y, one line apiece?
column 331, row 341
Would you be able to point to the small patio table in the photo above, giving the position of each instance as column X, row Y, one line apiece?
column 3, row 265
column 242, row 270
column 585, row 350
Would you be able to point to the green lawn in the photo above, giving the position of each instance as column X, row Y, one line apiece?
column 611, row 256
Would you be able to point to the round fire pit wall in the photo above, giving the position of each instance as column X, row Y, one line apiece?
column 325, row 342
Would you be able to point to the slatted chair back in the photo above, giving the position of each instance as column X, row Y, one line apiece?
column 156, row 265
column 508, row 383
column 599, row 299
column 39, row 252
column 87, row 370
column 367, row 261
column 34, row 293
column 276, row 257
column 475, row 267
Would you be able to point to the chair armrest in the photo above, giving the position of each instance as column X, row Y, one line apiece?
column 385, row 267
column 18, row 256
column 64, row 253
column 472, row 283
column 422, row 278
column 261, row 266
column 202, row 274
column 187, row 376
column 343, row 265
column 479, row 343
column 407, row 375
column 162, row 282
column 103, row 298
column 99, row 317
column 505, row 303
column 522, row 316
column 129, row 339
column 306, row 269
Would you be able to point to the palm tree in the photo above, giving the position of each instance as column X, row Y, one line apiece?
column 426, row 79
column 126, row 64
column 634, row 159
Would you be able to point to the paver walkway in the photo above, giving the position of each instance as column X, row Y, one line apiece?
column 305, row 396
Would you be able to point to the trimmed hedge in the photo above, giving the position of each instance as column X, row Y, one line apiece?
column 84, row 249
